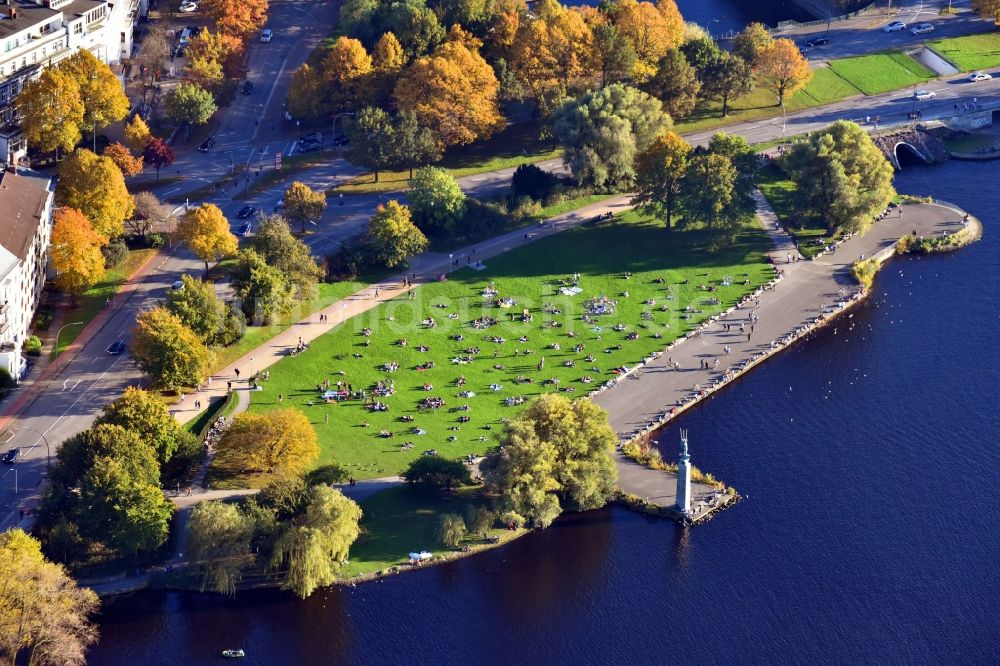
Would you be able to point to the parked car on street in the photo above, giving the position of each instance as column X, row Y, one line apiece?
column 924, row 95
column 206, row 144
column 11, row 456
column 309, row 146
column 247, row 87
column 188, row 7
column 246, row 212
column 266, row 35
column 922, row 29
column 895, row 26
column 980, row 76
column 817, row 41
column 312, row 137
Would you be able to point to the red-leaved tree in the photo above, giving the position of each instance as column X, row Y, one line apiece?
column 159, row 154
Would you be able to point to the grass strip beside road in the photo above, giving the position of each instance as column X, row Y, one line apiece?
column 92, row 301
column 532, row 275
column 971, row 52
column 517, row 144
column 881, row 72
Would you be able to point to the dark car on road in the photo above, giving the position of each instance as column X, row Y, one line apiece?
column 247, row 87
column 206, row 144
column 11, row 456
column 309, row 146
column 312, row 137
column 246, row 212
column 118, row 347
column 342, row 140
column 817, row 41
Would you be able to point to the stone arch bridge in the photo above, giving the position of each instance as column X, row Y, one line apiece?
column 917, row 142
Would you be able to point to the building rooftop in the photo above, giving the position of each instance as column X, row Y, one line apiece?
column 78, row 8
column 27, row 15
column 22, row 201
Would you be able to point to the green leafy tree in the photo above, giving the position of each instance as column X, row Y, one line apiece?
column 218, row 539
column 436, row 201
column 744, row 158
column 392, row 236
column 415, row 25
column 676, row 84
column 614, row 54
column 373, row 140
column 198, row 306
column 437, row 472
column 660, row 170
column 128, row 514
column 170, row 352
column 415, row 145
column 726, row 78
column 146, row 415
column 556, row 455
column 708, row 192
column 700, row 52
column 451, row 529
column 603, row 131
column 751, row 42
column 304, row 204
column 136, row 456
column 479, row 519
column 841, row 177
column 280, row 249
column 190, row 103
column 45, row 615
column 312, row 549
column 263, row 290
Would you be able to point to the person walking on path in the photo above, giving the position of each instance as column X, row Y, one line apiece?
column 236, row 371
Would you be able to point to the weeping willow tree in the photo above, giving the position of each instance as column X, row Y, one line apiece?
column 219, row 540
column 312, row 549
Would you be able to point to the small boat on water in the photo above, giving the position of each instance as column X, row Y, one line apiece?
column 233, row 654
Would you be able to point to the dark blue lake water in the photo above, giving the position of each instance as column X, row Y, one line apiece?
column 721, row 16
column 869, row 457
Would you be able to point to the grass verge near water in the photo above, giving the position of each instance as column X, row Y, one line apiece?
column 881, row 72
column 971, row 52
column 404, row 519
column 779, row 191
column 653, row 313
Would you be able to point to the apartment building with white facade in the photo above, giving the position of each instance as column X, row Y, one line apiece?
column 34, row 35
column 26, row 207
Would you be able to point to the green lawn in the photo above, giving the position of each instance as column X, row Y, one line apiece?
column 780, row 193
column 971, row 52
column 532, row 275
column 824, row 88
column 881, row 72
column 329, row 293
column 516, row 145
column 95, row 299
column 402, row 520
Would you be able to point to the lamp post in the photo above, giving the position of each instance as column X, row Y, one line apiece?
column 333, row 128
column 48, row 449
column 251, row 366
column 61, row 328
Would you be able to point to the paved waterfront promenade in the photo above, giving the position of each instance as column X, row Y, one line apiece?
column 807, row 290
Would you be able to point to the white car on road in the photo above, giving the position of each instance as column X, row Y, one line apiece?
column 187, row 7
column 895, row 26
column 924, row 94
column 922, row 29
column 980, row 76
column 266, row 35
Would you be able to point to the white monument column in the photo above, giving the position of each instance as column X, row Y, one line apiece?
column 684, row 476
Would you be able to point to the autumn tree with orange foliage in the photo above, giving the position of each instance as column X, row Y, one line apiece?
column 124, row 159
column 454, row 93
column 650, row 33
column 307, row 93
column 552, row 52
column 346, row 69
column 239, row 18
column 388, row 54
column 76, row 252
column 782, row 68
column 220, row 47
